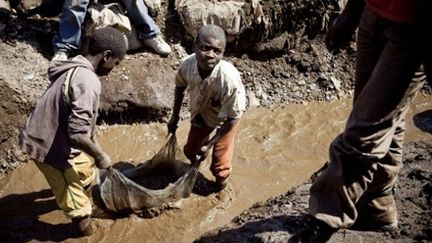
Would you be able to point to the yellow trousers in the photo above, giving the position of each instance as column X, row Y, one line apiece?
column 68, row 185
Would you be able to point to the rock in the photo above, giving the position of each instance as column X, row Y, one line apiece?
column 28, row 77
column 336, row 83
column 145, row 93
column 273, row 46
column 229, row 15
column 153, row 6
column 301, row 82
column 253, row 101
column 179, row 50
column 27, row 5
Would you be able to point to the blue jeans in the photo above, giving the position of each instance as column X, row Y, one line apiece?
column 139, row 17
column 68, row 39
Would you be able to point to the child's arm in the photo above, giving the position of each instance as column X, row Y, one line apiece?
column 85, row 143
column 178, row 101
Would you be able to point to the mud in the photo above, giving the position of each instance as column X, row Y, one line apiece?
column 276, row 149
column 278, row 218
column 284, row 137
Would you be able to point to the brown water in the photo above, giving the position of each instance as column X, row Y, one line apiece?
column 276, row 149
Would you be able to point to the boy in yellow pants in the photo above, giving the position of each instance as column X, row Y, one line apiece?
column 60, row 132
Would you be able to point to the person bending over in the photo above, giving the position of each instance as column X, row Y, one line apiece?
column 217, row 101
column 59, row 135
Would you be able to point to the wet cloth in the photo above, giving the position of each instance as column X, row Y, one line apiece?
column 121, row 191
column 367, row 157
column 219, row 96
column 68, row 185
column 223, row 149
column 45, row 136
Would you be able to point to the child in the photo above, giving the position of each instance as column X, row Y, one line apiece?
column 217, row 100
column 62, row 125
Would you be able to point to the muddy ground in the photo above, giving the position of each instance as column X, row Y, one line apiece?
column 294, row 67
column 278, row 218
column 273, row 73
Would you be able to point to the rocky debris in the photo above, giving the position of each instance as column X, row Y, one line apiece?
column 278, row 218
column 13, row 107
column 306, row 73
column 297, row 18
column 260, row 25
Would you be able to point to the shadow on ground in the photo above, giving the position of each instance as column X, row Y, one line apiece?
column 423, row 121
column 20, row 218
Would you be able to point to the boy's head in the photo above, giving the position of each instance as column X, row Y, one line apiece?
column 110, row 44
column 209, row 46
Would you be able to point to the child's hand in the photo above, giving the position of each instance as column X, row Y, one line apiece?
column 104, row 162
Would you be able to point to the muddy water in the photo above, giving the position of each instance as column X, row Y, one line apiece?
column 275, row 150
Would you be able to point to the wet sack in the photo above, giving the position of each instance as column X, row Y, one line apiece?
column 120, row 191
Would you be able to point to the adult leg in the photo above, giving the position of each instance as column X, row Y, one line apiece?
column 148, row 31
column 379, row 108
column 68, row 39
column 138, row 15
column 377, row 206
column 368, row 55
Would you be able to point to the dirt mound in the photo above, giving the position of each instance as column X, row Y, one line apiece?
column 278, row 218
column 13, row 108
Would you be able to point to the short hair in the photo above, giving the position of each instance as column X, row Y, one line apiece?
column 211, row 30
column 108, row 38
